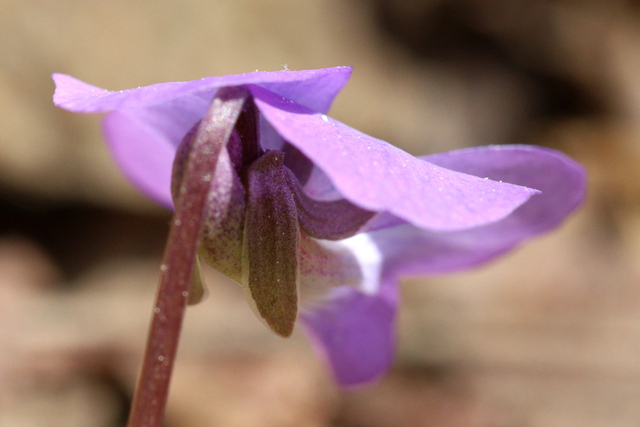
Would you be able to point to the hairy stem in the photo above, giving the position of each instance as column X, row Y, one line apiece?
column 173, row 290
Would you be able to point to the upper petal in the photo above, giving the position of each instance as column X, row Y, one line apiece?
column 408, row 250
column 314, row 89
column 380, row 177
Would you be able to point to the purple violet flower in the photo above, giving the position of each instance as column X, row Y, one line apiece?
column 304, row 211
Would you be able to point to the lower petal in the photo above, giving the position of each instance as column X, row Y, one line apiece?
column 355, row 332
column 350, row 316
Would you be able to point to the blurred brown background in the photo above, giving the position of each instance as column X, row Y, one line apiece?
column 547, row 336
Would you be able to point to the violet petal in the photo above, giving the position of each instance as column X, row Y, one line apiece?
column 355, row 332
column 143, row 142
column 354, row 329
column 409, row 250
column 152, row 120
column 314, row 89
column 380, row 177
column 353, row 325
column 144, row 156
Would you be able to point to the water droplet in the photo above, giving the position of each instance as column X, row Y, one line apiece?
column 185, row 294
column 164, row 268
column 177, row 222
column 161, row 358
column 156, row 310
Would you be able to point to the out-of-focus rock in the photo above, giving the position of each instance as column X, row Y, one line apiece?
column 418, row 399
column 275, row 389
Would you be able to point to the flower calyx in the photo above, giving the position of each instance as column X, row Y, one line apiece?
column 255, row 213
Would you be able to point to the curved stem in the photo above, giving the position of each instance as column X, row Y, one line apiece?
column 173, row 290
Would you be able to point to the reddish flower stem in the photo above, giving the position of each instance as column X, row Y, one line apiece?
column 152, row 389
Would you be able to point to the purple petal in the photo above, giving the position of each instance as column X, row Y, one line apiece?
column 355, row 332
column 143, row 142
column 562, row 181
column 70, row 90
column 380, row 177
column 150, row 121
column 314, row 89
column 142, row 154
